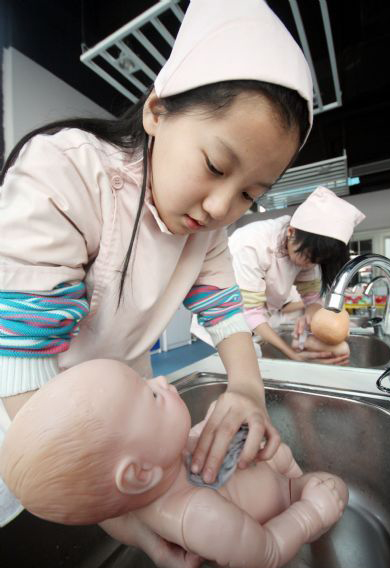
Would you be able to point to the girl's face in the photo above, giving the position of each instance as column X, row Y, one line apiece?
column 208, row 170
column 298, row 258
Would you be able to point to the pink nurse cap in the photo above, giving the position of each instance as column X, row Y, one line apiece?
column 323, row 213
column 222, row 40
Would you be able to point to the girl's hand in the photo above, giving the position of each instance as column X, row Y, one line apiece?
column 323, row 357
column 316, row 351
column 129, row 530
column 302, row 323
column 232, row 409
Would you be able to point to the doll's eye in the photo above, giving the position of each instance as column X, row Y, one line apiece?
column 154, row 394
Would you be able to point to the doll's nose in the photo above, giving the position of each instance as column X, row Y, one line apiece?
column 161, row 382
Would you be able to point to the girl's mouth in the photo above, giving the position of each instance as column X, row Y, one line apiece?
column 192, row 223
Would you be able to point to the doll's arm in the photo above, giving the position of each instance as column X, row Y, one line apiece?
column 130, row 530
column 218, row 530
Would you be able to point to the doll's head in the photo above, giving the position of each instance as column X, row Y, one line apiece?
column 95, row 442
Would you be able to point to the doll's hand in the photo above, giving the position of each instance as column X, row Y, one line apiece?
column 231, row 410
column 129, row 530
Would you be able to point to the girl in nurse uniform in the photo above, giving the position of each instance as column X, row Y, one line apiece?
column 307, row 249
column 112, row 224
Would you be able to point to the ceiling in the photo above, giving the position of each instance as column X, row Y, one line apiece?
column 51, row 33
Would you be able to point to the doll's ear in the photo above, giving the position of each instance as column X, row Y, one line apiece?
column 133, row 478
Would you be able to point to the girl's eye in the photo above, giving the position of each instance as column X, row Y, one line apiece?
column 154, row 394
column 213, row 169
column 248, row 197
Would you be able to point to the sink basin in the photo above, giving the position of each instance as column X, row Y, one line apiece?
column 367, row 352
column 344, row 433
column 358, row 321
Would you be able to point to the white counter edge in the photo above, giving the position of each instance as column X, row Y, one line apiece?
column 303, row 373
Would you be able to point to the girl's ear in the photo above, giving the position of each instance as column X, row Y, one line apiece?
column 290, row 232
column 151, row 113
column 133, row 478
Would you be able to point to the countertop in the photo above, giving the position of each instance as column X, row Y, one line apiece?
column 348, row 378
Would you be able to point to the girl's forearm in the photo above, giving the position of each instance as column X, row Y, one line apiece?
column 265, row 331
column 311, row 309
column 240, row 361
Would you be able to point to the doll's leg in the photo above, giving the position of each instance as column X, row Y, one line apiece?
column 324, row 493
column 283, row 462
column 318, row 501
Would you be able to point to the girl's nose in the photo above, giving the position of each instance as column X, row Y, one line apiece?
column 217, row 205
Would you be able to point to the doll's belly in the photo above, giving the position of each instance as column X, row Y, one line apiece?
column 258, row 490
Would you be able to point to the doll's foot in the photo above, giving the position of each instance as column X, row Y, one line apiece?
column 329, row 496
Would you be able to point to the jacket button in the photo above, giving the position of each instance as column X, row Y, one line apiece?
column 117, row 182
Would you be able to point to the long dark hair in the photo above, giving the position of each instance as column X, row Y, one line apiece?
column 127, row 131
column 329, row 253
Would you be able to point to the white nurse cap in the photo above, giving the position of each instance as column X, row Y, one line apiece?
column 222, row 40
column 324, row 213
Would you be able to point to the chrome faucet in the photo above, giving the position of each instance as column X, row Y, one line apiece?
column 335, row 297
column 369, row 291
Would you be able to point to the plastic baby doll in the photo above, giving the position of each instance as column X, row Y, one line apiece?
column 328, row 333
column 98, row 441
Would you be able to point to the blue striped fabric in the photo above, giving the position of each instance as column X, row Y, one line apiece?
column 214, row 304
column 41, row 324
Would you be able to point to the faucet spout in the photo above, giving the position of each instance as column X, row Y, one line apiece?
column 335, row 298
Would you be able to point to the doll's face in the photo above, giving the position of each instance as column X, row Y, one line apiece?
column 161, row 420
column 207, row 169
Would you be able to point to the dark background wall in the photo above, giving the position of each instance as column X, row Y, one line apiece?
column 51, row 33
column 2, row 43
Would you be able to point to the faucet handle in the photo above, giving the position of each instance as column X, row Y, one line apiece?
column 383, row 376
column 372, row 322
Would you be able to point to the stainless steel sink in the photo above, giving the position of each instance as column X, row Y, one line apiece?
column 346, row 433
column 367, row 352
column 359, row 320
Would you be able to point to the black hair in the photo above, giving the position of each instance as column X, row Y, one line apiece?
column 127, row 131
column 329, row 253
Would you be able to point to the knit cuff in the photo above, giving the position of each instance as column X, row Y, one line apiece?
column 256, row 316
column 312, row 299
column 227, row 327
column 22, row 374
